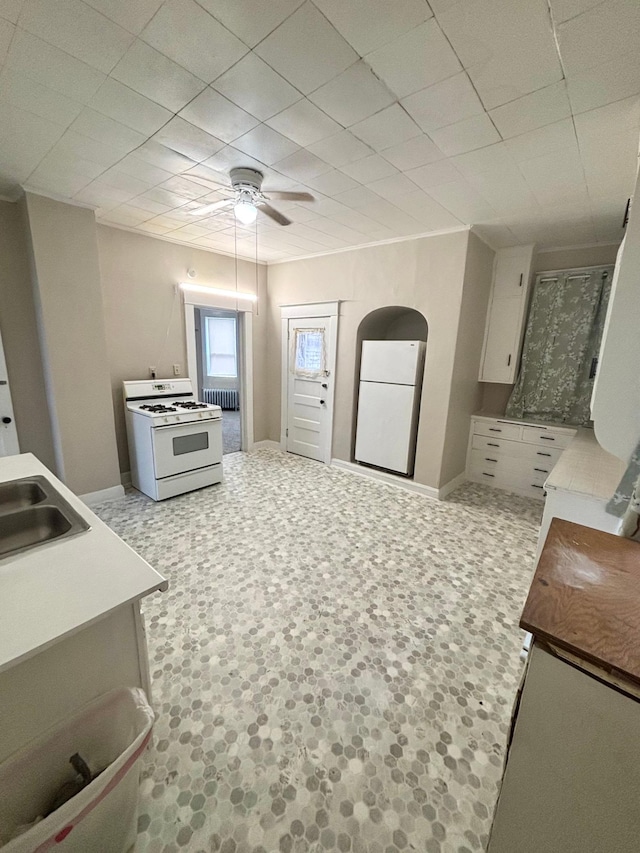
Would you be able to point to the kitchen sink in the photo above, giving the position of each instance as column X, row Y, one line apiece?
column 33, row 512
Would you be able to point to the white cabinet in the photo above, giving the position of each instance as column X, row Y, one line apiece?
column 507, row 314
column 514, row 455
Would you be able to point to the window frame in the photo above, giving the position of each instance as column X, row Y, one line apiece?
column 209, row 353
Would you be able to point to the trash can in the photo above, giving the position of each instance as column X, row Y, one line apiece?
column 110, row 734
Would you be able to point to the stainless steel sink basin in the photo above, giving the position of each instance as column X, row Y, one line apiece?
column 33, row 512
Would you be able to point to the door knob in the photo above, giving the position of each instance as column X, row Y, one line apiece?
column 6, row 420
column 322, row 402
column 324, row 385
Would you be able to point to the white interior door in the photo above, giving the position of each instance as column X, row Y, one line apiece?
column 309, row 403
column 8, row 433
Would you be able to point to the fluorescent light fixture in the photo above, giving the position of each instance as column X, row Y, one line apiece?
column 218, row 291
column 245, row 212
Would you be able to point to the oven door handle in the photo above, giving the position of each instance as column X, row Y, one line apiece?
column 187, row 424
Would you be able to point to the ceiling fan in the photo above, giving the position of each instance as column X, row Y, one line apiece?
column 248, row 198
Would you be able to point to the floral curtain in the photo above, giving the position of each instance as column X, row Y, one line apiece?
column 562, row 340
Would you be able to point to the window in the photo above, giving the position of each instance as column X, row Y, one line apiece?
column 220, row 345
column 309, row 352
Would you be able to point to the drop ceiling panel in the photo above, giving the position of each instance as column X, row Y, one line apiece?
column 415, row 60
column 368, row 26
column 307, row 50
column 398, row 122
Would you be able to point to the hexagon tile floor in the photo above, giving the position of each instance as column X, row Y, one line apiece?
column 335, row 661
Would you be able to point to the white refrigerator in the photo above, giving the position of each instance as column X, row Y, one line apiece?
column 388, row 404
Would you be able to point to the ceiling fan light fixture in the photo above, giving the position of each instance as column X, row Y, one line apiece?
column 245, row 212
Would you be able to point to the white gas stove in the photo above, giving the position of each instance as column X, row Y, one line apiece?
column 175, row 442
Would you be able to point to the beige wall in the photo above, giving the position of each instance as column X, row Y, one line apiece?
column 425, row 274
column 565, row 259
column 68, row 302
column 20, row 337
column 466, row 391
column 144, row 315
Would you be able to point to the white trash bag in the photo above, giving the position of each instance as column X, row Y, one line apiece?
column 110, row 734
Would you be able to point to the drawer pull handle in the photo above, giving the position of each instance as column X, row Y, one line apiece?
column 540, row 453
column 537, row 487
column 520, row 285
column 546, row 438
column 484, row 474
column 542, row 470
column 489, row 444
column 494, row 429
column 489, row 459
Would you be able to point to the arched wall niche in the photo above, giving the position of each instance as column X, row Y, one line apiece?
column 390, row 323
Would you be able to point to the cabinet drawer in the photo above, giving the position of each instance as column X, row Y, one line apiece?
column 497, row 429
column 545, row 437
column 516, row 450
column 485, row 463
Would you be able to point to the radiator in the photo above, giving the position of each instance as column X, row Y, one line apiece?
column 221, row 397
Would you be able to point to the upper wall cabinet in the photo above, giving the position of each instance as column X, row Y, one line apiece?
column 507, row 314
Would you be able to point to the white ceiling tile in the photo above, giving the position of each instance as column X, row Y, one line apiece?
column 556, row 178
column 466, row 135
column 306, row 49
column 353, row 95
column 74, row 144
column 104, row 129
column 442, row 172
column 331, row 183
column 256, row 87
column 60, row 183
column 602, row 32
column 265, row 144
column 32, row 96
column 218, row 116
column 78, row 30
column 62, row 162
column 562, row 10
column 97, row 192
column 393, row 187
column 340, row 149
column 125, row 215
column 172, row 200
column 228, row 158
column 185, row 188
column 301, row 166
column 620, row 117
column 164, row 158
column 489, row 159
column 152, row 74
column 613, row 80
column 386, row 128
column 187, row 34
column 128, row 107
column 304, row 123
column 369, row 169
column 507, row 47
column 538, row 109
column 413, row 153
column 427, row 211
column 415, row 60
column 133, row 16
column 187, row 139
column 496, row 234
column 369, row 25
column 10, row 10
column 115, row 179
column 553, row 137
column 139, row 168
column 6, row 34
column 52, row 67
column 505, row 190
column 461, row 199
column 251, row 20
column 24, row 140
column 447, row 102
column 358, row 198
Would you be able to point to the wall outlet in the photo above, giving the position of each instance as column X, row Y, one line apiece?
column 152, row 372
column 176, row 370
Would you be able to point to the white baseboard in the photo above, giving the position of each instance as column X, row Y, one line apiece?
column 384, row 477
column 267, row 443
column 94, row 498
column 445, row 490
column 400, row 482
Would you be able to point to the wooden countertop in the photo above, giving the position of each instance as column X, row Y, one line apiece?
column 585, row 597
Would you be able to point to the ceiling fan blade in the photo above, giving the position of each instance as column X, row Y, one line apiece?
column 209, row 208
column 290, row 196
column 274, row 214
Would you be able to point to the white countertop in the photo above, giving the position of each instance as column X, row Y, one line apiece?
column 490, row 416
column 55, row 589
column 586, row 469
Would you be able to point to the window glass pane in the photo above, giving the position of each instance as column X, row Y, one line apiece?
column 309, row 351
column 190, row 443
column 221, row 357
